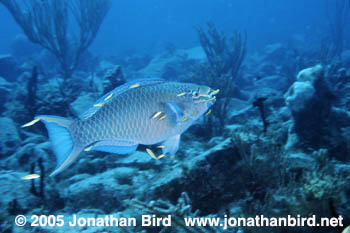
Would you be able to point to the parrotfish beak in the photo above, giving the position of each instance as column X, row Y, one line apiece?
column 211, row 97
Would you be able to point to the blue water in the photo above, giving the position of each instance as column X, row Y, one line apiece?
column 146, row 26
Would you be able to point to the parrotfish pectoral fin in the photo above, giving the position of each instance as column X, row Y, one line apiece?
column 175, row 111
column 61, row 141
column 171, row 145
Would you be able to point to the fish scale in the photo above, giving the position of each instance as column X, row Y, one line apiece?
column 148, row 112
column 116, row 116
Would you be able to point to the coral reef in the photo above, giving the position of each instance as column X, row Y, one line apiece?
column 177, row 212
column 10, row 138
column 277, row 142
column 316, row 122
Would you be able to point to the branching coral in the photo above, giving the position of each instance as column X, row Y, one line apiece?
column 46, row 23
column 182, row 209
column 324, row 182
column 316, row 190
column 261, row 162
column 338, row 18
column 225, row 58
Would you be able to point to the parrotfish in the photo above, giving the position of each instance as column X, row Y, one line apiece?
column 147, row 112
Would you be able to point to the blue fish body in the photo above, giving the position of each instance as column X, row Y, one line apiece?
column 147, row 112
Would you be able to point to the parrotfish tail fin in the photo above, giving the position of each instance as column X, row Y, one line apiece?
column 171, row 145
column 59, row 130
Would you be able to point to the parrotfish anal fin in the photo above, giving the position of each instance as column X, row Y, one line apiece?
column 115, row 146
column 61, row 141
column 116, row 149
column 117, row 91
column 175, row 112
column 171, row 145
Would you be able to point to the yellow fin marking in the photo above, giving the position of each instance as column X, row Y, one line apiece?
column 181, row 94
column 31, row 123
column 30, row 177
column 98, row 105
column 162, row 117
column 108, row 97
column 160, row 156
column 161, row 146
column 208, row 113
column 156, row 115
column 88, row 148
column 135, row 85
column 150, row 152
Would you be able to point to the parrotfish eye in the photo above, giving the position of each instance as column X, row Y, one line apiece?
column 195, row 94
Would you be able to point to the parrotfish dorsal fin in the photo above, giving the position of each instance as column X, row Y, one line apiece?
column 117, row 91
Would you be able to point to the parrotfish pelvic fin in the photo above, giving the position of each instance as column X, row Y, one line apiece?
column 171, row 145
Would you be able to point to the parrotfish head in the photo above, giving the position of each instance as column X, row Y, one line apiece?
column 198, row 100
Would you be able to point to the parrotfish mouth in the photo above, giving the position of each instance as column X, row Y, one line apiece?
column 211, row 97
column 212, row 94
column 208, row 96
